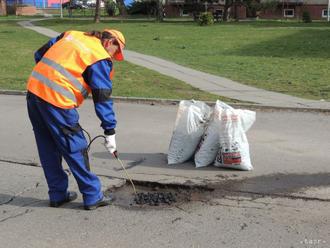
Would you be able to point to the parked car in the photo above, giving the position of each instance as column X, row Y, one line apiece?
column 74, row 5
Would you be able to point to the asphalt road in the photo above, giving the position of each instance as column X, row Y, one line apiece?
column 283, row 202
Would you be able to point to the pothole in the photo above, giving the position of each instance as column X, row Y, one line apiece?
column 155, row 195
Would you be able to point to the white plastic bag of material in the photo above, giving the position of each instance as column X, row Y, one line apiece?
column 233, row 145
column 190, row 125
column 209, row 145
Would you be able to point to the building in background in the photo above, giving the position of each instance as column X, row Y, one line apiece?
column 281, row 9
column 294, row 9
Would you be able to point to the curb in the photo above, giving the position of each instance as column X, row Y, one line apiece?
column 159, row 101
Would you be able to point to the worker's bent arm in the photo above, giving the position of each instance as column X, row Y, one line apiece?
column 97, row 76
column 42, row 50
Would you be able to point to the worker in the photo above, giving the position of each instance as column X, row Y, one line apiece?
column 68, row 68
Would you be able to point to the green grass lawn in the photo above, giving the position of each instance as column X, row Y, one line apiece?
column 288, row 57
column 17, row 47
column 16, row 54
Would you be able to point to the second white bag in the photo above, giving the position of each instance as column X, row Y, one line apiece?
column 233, row 149
column 208, row 147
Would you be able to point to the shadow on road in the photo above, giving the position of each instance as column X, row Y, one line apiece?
column 26, row 201
column 155, row 160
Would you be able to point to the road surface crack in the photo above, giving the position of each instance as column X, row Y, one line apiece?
column 19, row 193
column 279, row 195
column 16, row 215
column 34, row 164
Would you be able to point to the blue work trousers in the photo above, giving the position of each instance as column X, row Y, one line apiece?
column 58, row 134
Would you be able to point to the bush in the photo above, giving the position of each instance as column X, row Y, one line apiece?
column 306, row 17
column 253, row 7
column 111, row 7
column 205, row 19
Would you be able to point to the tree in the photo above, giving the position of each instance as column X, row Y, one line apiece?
column 97, row 11
column 111, row 7
column 306, row 17
column 122, row 8
column 148, row 8
column 160, row 10
column 252, row 7
column 120, row 4
column 3, row 7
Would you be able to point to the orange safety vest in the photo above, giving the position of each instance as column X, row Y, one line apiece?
column 57, row 77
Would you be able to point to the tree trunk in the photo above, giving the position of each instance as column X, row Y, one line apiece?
column 122, row 8
column 160, row 11
column 228, row 4
column 97, row 11
column 3, row 8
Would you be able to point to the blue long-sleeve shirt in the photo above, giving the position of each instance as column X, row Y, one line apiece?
column 98, row 79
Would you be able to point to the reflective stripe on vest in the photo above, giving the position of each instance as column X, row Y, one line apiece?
column 67, row 74
column 54, row 86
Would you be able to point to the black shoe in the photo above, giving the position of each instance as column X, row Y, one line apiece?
column 71, row 196
column 105, row 201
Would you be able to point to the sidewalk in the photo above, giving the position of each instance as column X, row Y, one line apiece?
column 207, row 82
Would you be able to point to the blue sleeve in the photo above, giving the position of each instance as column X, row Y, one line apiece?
column 97, row 76
column 42, row 50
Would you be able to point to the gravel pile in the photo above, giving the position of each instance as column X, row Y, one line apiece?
column 154, row 199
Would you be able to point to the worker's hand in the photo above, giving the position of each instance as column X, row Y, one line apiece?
column 110, row 143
